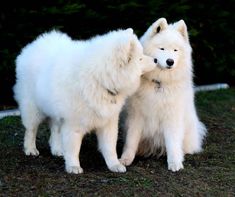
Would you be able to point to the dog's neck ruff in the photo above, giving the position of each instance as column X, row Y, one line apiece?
column 111, row 92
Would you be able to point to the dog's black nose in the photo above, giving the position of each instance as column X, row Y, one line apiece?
column 170, row 62
column 155, row 60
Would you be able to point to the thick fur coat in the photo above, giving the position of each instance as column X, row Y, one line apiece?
column 161, row 115
column 81, row 86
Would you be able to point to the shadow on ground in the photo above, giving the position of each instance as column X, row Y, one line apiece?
column 210, row 173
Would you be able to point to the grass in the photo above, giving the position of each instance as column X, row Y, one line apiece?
column 210, row 173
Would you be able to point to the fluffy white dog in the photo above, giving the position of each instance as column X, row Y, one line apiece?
column 161, row 114
column 81, row 86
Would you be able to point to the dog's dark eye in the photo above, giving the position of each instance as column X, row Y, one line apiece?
column 175, row 50
column 162, row 49
column 140, row 59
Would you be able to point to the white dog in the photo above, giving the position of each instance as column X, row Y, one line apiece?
column 161, row 114
column 81, row 86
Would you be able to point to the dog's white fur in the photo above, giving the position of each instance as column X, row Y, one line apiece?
column 81, row 86
column 161, row 114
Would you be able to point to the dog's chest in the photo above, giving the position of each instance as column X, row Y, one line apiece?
column 157, row 86
column 154, row 100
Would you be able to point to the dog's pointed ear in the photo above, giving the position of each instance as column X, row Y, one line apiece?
column 126, row 50
column 130, row 46
column 154, row 29
column 158, row 26
column 182, row 28
column 131, row 51
column 130, row 31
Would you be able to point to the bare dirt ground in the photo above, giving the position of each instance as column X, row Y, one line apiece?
column 210, row 173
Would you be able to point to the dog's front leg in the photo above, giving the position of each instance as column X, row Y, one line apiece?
column 132, row 139
column 173, row 136
column 71, row 143
column 107, row 139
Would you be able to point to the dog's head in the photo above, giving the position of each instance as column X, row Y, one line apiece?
column 169, row 44
column 123, row 60
column 129, row 53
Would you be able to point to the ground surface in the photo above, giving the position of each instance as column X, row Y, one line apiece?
column 211, row 173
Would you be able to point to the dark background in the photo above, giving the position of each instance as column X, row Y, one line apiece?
column 210, row 24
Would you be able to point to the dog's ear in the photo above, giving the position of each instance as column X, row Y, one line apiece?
column 154, row 29
column 130, row 31
column 131, row 51
column 182, row 28
column 125, row 50
column 158, row 26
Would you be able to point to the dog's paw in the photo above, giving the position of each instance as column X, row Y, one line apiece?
column 74, row 169
column 175, row 166
column 31, row 151
column 118, row 168
column 57, row 152
column 126, row 160
column 56, row 147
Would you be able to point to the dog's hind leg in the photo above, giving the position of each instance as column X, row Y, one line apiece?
column 55, row 138
column 31, row 118
column 195, row 132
